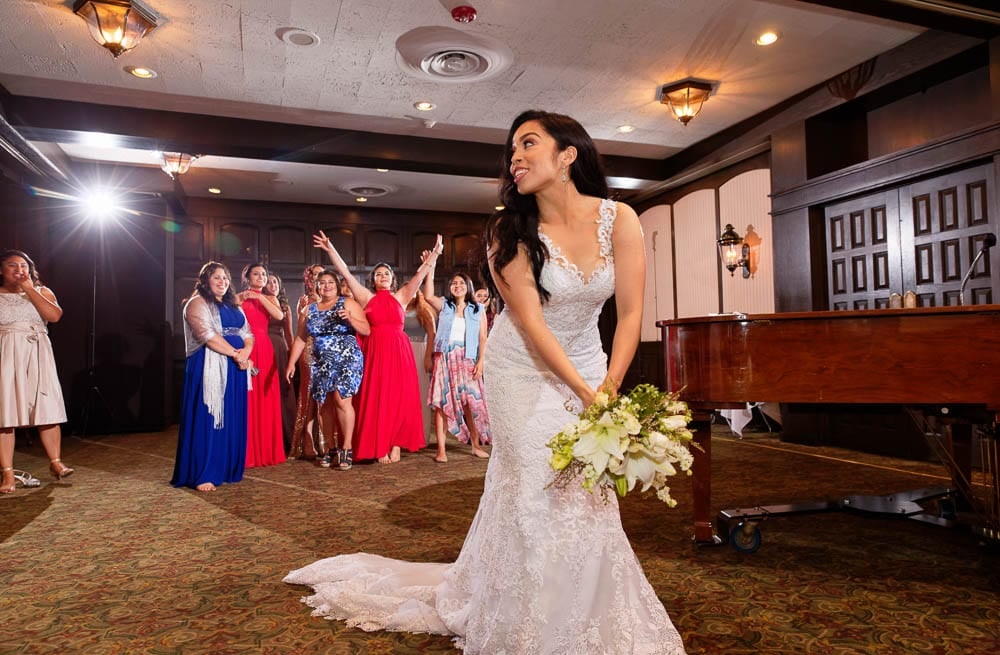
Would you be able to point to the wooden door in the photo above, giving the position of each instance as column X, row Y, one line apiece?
column 862, row 251
column 943, row 222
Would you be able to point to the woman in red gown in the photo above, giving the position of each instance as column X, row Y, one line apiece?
column 390, row 414
column 265, row 445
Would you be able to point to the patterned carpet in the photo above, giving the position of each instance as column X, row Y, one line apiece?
column 113, row 560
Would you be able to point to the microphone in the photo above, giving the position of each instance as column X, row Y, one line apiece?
column 989, row 240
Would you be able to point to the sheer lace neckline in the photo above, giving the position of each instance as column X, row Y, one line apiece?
column 605, row 223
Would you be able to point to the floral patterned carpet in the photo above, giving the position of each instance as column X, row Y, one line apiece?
column 114, row 560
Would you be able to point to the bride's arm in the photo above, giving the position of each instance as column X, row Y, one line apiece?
column 630, row 280
column 517, row 287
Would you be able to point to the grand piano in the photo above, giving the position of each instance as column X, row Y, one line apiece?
column 941, row 362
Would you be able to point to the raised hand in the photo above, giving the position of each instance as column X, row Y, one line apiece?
column 323, row 242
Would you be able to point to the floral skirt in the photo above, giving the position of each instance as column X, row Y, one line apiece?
column 453, row 388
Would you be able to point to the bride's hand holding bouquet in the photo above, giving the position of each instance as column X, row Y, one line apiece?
column 620, row 441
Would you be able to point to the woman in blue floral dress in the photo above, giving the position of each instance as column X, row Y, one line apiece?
column 337, row 363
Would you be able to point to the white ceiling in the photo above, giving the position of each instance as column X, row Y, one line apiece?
column 600, row 61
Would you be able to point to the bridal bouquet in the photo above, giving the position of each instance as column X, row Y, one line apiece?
column 619, row 442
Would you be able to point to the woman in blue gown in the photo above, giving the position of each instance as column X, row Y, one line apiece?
column 212, row 437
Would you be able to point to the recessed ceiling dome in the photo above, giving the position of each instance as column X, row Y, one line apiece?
column 366, row 190
column 444, row 54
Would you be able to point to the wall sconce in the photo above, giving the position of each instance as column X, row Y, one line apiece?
column 735, row 254
column 117, row 25
column 685, row 98
column 177, row 163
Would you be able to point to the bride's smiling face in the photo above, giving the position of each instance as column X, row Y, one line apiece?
column 535, row 160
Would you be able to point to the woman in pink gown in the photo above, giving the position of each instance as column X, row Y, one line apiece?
column 390, row 414
column 265, row 445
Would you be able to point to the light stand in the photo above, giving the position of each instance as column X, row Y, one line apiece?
column 93, row 398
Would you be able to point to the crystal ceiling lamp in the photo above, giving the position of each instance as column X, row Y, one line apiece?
column 177, row 163
column 685, row 98
column 117, row 25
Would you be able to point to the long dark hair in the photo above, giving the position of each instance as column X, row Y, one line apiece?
column 470, row 296
column 202, row 288
column 517, row 222
column 32, row 271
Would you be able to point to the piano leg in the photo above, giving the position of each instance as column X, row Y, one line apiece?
column 701, row 483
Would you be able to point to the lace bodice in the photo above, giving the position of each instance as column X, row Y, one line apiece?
column 16, row 308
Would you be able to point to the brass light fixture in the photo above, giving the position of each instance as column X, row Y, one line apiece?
column 735, row 254
column 685, row 98
column 117, row 25
column 176, row 163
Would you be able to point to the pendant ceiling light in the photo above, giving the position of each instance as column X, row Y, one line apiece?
column 177, row 163
column 117, row 25
column 685, row 98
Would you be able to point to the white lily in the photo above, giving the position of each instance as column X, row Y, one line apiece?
column 600, row 441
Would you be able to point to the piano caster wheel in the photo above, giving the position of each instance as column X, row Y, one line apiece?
column 745, row 537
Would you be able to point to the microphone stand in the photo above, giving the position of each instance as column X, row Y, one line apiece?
column 989, row 241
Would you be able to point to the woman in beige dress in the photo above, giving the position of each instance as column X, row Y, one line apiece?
column 30, row 395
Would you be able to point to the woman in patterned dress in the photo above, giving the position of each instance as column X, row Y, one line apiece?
column 337, row 362
column 303, row 445
column 30, row 394
column 456, row 394
column 389, row 408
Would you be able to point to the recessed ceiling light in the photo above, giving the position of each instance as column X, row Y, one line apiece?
column 625, row 129
column 141, row 72
column 214, row 190
column 767, row 38
column 361, row 199
column 382, row 170
column 423, row 106
column 499, row 207
column 298, row 37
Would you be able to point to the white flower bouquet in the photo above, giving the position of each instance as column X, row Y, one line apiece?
column 621, row 441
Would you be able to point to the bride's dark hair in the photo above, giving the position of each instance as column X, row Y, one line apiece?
column 517, row 222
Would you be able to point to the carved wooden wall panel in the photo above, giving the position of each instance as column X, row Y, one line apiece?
column 943, row 222
column 286, row 244
column 921, row 237
column 863, row 264
column 382, row 246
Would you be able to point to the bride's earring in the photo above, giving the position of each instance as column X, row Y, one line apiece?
column 563, row 178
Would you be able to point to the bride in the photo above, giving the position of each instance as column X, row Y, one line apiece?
column 543, row 569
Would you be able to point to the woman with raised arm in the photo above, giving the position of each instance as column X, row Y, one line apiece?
column 337, row 363
column 389, row 407
column 544, row 568
column 456, row 393
column 30, row 394
column 265, row 445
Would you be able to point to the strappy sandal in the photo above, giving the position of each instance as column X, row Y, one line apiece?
column 59, row 470
column 26, row 479
column 346, row 459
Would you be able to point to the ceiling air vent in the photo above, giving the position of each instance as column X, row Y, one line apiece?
column 444, row 54
column 366, row 190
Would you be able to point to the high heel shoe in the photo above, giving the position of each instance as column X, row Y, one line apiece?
column 346, row 459
column 59, row 470
column 6, row 489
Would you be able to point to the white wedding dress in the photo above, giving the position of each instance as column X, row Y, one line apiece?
column 542, row 570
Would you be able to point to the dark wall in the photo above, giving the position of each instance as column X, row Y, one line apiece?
column 112, row 370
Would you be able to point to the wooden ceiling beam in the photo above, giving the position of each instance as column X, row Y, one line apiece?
column 976, row 18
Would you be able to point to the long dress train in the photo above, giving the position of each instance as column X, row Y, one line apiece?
column 542, row 570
